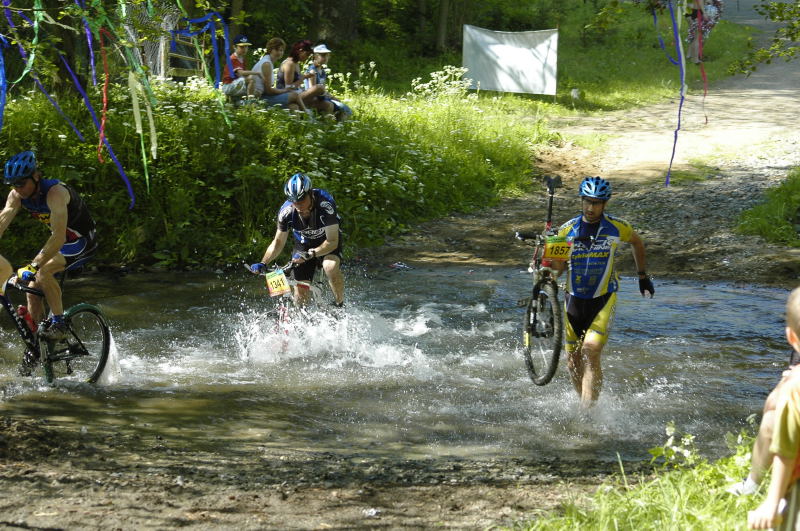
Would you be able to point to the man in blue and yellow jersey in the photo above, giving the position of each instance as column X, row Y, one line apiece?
column 72, row 234
column 592, row 283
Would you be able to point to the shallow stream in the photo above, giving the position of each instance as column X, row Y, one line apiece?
column 424, row 363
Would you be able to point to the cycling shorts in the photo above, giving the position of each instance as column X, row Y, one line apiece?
column 589, row 318
column 305, row 271
column 78, row 252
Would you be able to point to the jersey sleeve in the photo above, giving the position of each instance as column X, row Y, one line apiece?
column 284, row 216
column 328, row 215
column 625, row 229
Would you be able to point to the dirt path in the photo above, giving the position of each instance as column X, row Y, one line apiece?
column 54, row 478
column 750, row 142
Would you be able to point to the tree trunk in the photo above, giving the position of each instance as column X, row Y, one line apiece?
column 441, row 28
column 236, row 10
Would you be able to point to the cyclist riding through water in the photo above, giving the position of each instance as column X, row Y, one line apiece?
column 592, row 283
column 310, row 214
column 72, row 234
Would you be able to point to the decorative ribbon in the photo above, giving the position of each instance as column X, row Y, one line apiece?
column 102, row 136
column 88, row 31
column 3, row 81
column 97, row 126
column 682, row 66
column 661, row 39
column 700, row 58
column 133, row 87
column 210, row 27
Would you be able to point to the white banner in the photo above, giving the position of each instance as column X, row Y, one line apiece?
column 507, row 61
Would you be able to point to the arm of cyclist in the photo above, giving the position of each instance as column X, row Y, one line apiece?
column 274, row 249
column 639, row 256
column 57, row 200
column 9, row 212
column 329, row 245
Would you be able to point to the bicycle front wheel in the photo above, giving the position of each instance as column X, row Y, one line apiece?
column 85, row 353
column 542, row 333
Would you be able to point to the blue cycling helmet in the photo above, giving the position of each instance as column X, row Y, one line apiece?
column 20, row 166
column 595, row 187
column 297, row 187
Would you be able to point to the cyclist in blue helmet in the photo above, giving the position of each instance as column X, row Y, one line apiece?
column 592, row 283
column 72, row 234
column 310, row 215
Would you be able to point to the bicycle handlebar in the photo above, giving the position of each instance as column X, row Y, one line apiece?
column 13, row 281
column 285, row 268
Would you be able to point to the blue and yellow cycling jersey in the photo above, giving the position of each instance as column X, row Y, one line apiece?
column 591, row 261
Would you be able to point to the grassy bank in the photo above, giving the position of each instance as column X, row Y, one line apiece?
column 777, row 218
column 686, row 492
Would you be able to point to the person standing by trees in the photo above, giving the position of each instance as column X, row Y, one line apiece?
column 592, row 283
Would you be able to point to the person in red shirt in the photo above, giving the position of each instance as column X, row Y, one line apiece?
column 240, row 83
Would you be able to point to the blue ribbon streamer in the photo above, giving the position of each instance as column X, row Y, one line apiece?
column 676, row 36
column 3, row 81
column 87, row 29
column 97, row 126
column 210, row 27
column 661, row 40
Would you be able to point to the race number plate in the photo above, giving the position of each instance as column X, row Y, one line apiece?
column 557, row 247
column 277, row 283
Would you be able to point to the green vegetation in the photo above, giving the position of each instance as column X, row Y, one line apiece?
column 416, row 150
column 685, row 492
column 777, row 219
column 215, row 189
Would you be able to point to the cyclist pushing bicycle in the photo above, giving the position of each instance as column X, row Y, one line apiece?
column 592, row 283
column 71, row 241
column 310, row 214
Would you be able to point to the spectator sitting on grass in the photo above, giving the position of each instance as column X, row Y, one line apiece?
column 242, row 82
column 285, row 97
column 327, row 103
column 785, row 441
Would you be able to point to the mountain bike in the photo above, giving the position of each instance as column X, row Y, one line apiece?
column 80, row 356
column 543, row 328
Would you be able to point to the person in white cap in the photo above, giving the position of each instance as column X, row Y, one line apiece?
column 241, row 82
column 325, row 102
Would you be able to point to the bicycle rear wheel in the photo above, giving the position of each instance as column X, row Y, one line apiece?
column 542, row 332
column 84, row 353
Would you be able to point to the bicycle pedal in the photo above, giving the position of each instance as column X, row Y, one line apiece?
column 521, row 303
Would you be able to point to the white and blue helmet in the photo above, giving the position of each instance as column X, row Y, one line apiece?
column 297, row 187
column 595, row 187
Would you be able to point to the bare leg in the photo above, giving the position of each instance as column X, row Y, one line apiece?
column 592, row 373
column 331, row 266
column 46, row 282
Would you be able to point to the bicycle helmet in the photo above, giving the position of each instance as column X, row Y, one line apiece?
column 20, row 166
column 297, row 187
column 595, row 187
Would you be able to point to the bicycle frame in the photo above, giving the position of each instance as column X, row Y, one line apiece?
column 30, row 339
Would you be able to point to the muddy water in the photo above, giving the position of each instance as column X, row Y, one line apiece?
column 425, row 362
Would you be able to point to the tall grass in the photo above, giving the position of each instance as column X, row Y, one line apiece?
column 777, row 218
column 685, row 492
column 215, row 188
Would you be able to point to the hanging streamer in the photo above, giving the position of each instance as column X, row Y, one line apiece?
column 104, row 115
column 58, row 107
column 133, row 87
column 661, row 39
column 210, row 27
column 700, row 58
column 38, row 14
column 97, row 126
column 88, row 31
column 3, row 83
column 682, row 65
